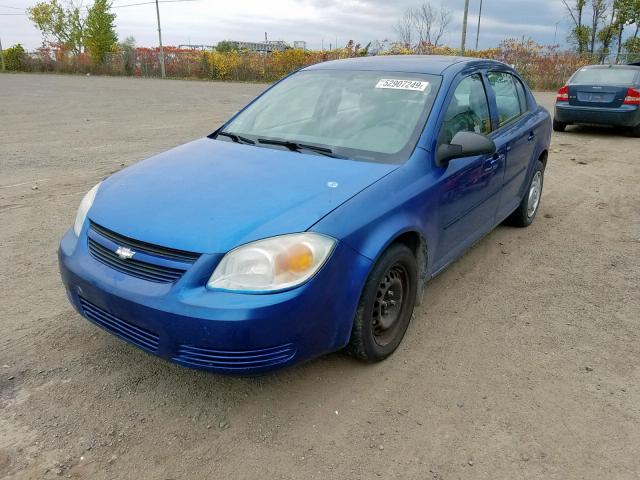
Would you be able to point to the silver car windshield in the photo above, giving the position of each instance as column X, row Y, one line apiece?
column 363, row 115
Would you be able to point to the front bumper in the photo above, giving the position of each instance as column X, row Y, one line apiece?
column 225, row 332
column 624, row 116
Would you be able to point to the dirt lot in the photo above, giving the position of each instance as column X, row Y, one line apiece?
column 523, row 361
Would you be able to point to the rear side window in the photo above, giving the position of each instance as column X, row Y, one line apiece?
column 508, row 98
column 468, row 110
column 605, row 76
column 522, row 96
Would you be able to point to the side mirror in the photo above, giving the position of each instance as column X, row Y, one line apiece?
column 464, row 144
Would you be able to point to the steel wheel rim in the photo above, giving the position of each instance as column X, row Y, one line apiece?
column 534, row 194
column 389, row 304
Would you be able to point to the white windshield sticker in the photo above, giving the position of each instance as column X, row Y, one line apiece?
column 414, row 85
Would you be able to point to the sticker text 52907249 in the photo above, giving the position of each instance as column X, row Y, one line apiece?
column 415, row 85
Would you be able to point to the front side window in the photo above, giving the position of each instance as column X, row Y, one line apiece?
column 507, row 97
column 364, row 115
column 468, row 110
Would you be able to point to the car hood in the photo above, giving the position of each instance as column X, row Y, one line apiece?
column 209, row 196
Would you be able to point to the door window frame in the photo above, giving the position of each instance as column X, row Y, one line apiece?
column 452, row 91
column 495, row 112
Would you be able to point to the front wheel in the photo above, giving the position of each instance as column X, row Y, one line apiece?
column 525, row 213
column 386, row 306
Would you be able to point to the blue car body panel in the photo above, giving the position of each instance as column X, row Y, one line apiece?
column 622, row 116
column 281, row 192
column 210, row 196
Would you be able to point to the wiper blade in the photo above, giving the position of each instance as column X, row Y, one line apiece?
column 237, row 138
column 296, row 147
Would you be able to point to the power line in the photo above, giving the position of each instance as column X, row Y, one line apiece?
column 9, row 6
column 149, row 3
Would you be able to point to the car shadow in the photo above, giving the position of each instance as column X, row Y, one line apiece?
column 603, row 131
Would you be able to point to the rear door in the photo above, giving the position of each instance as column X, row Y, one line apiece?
column 601, row 86
column 515, row 136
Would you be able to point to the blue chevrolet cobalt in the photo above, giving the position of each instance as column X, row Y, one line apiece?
column 311, row 221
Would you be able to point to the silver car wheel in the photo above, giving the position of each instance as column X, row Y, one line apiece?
column 535, row 190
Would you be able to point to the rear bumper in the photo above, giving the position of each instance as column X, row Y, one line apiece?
column 229, row 333
column 624, row 116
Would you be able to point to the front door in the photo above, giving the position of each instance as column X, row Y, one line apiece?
column 468, row 188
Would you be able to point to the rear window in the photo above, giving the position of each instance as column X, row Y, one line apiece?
column 605, row 76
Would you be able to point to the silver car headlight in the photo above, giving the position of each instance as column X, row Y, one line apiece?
column 272, row 264
column 83, row 209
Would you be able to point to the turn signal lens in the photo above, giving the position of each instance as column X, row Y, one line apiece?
column 297, row 259
column 272, row 264
column 563, row 94
column 633, row 97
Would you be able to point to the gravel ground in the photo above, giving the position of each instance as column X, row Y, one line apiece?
column 521, row 363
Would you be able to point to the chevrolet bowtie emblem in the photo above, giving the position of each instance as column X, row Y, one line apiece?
column 125, row 253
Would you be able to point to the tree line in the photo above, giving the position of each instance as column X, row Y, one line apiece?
column 77, row 28
column 600, row 25
column 74, row 32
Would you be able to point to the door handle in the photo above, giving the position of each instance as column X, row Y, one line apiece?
column 532, row 135
column 493, row 162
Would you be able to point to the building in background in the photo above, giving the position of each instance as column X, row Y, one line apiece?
column 301, row 44
column 267, row 47
column 196, row 47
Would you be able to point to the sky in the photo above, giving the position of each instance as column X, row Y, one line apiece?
column 318, row 22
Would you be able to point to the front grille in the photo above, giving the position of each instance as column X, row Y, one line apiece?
column 160, row 264
column 140, row 337
column 234, row 360
column 170, row 253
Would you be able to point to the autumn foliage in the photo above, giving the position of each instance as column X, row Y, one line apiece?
column 543, row 67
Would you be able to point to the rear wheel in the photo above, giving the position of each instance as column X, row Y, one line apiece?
column 635, row 131
column 525, row 213
column 386, row 306
column 559, row 126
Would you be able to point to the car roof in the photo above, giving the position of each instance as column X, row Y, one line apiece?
column 621, row 67
column 429, row 64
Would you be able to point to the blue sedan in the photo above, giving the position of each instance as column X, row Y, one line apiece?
column 311, row 221
column 600, row 95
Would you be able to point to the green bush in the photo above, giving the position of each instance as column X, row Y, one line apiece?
column 14, row 57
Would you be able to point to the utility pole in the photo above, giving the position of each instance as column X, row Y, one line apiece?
column 555, row 35
column 2, row 55
column 464, row 27
column 162, row 72
column 478, row 30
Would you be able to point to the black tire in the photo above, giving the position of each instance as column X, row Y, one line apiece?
column 523, row 216
column 559, row 126
column 370, row 340
column 634, row 131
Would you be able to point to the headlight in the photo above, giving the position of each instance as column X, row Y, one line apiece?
column 83, row 209
column 272, row 264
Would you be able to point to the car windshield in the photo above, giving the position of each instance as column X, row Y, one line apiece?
column 605, row 76
column 363, row 115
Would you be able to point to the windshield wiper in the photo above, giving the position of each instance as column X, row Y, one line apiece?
column 296, row 147
column 237, row 138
